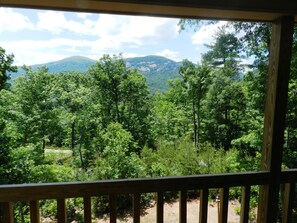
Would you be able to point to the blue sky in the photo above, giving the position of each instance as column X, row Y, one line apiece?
column 40, row 36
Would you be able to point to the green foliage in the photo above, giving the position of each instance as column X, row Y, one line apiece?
column 6, row 61
column 118, row 159
column 209, row 121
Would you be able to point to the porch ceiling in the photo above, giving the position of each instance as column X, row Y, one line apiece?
column 260, row 10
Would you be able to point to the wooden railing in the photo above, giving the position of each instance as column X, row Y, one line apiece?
column 61, row 191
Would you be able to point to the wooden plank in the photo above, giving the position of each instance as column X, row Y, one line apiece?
column 217, row 9
column 224, row 202
column 136, row 208
column 44, row 191
column 7, row 212
column 113, row 209
column 203, row 206
column 183, row 206
column 160, row 207
column 288, row 203
column 61, row 211
column 275, row 112
column 87, row 209
column 34, row 212
column 245, row 204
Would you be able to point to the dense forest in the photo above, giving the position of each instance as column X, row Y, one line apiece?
column 105, row 124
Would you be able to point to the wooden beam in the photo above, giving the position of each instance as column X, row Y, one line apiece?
column 251, row 10
column 23, row 192
column 275, row 112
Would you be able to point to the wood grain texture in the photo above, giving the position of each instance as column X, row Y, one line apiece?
column 275, row 112
column 224, row 201
column 288, row 202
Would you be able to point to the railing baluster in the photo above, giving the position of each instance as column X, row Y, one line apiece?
column 288, row 202
column 224, row 200
column 203, row 205
column 61, row 206
column 136, row 208
column 245, row 204
column 160, row 207
column 183, row 206
column 7, row 212
column 34, row 212
column 87, row 210
column 113, row 209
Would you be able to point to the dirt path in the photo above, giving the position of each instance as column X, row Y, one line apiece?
column 171, row 212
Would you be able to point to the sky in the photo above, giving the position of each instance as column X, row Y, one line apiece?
column 41, row 36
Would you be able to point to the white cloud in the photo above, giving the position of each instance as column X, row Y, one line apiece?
column 13, row 21
column 34, row 52
column 173, row 55
column 56, row 22
column 98, row 35
column 131, row 55
column 206, row 33
column 112, row 30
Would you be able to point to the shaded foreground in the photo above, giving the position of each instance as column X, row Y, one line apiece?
column 171, row 212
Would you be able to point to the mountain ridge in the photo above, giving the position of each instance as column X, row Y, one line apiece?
column 156, row 69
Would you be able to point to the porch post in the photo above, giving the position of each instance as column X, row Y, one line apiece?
column 275, row 112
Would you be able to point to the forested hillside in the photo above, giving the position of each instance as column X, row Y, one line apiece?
column 105, row 124
column 156, row 69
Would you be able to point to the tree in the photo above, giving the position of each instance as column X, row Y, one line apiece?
column 197, row 80
column 225, row 53
column 6, row 61
column 122, row 95
column 224, row 109
column 37, row 118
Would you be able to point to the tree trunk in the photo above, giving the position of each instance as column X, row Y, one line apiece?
column 80, row 153
column 194, row 123
column 72, row 135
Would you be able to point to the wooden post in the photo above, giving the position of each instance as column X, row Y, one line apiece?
column 275, row 112
column 203, row 205
column 183, row 206
column 87, row 209
column 7, row 212
column 245, row 204
column 34, row 211
column 61, row 211
column 160, row 207
column 288, row 202
column 136, row 208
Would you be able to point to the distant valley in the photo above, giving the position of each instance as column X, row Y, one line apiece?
column 156, row 69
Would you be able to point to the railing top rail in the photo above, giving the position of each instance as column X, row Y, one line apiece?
column 18, row 192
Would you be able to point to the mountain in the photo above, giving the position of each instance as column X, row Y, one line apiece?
column 156, row 69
